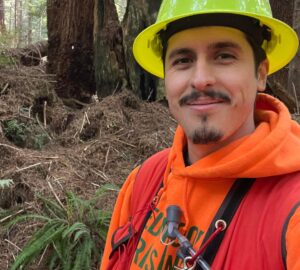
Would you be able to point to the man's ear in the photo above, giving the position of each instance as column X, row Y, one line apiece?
column 262, row 74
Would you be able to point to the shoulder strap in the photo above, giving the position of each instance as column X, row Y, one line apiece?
column 226, row 212
column 146, row 185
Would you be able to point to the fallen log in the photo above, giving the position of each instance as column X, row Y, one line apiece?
column 31, row 55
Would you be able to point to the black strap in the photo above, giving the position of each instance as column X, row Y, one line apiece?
column 226, row 212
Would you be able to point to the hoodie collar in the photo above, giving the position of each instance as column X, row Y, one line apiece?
column 272, row 149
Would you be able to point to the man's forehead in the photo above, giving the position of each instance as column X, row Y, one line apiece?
column 211, row 37
column 213, row 33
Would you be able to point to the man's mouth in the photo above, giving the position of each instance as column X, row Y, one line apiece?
column 205, row 101
column 207, row 97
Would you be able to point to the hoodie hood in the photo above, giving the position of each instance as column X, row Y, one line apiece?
column 272, row 149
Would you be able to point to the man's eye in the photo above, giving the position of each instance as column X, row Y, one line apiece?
column 225, row 56
column 183, row 60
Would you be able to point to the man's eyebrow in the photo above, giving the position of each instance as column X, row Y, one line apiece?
column 216, row 45
column 179, row 52
column 224, row 45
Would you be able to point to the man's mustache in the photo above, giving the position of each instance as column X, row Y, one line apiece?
column 214, row 94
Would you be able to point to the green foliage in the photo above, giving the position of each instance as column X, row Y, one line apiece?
column 15, row 131
column 6, row 60
column 72, row 233
column 24, row 136
column 5, row 183
column 6, row 40
column 33, row 22
column 36, row 8
column 39, row 141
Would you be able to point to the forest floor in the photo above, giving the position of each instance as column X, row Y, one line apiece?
column 48, row 148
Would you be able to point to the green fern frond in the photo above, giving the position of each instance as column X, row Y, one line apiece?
column 109, row 187
column 24, row 217
column 75, row 228
column 81, row 233
column 103, row 223
column 102, row 191
column 53, row 261
column 83, row 256
column 58, row 248
column 70, row 231
column 55, row 209
column 73, row 207
column 67, row 250
column 40, row 240
column 6, row 183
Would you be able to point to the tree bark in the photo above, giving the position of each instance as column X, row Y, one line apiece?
column 139, row 15
column 2, row 17
column 114, row 61
column 16, row 26
column 109, row 55
column 294, row 71
column 70, row 51
column 20, row 24
column 282, row 10
column 29, row 31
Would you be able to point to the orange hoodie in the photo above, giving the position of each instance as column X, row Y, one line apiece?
column 272, row 149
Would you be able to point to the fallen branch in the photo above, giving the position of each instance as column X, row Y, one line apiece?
column 55, row 195
column 29, row 167
column 106, row 159
column 31, row 55
column 45, row 113
column 14, row 148
column 4, row 88
column 129, row 144
column 11, row 243
column 41, row 126
column 12, row 215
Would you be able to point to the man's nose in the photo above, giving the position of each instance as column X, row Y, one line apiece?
column 203, row 76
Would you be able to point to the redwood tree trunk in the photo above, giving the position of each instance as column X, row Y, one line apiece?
column 139, row 15
column 29, row 30
column 114, row 61
column 109, row 57
column 2, row 17
column 283, row 12
column 16, row 20
column 294, row 71
column 70, row 51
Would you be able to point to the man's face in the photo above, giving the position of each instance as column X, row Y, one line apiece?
column 211, row 83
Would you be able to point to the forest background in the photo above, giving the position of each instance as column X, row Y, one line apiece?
column 77, row 114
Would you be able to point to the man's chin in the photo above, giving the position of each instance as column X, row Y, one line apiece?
column 206, row 136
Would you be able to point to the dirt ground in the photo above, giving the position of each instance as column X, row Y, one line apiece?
column 49, row 148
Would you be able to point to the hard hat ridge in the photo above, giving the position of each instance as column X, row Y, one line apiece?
column 255, row 32
column 250, row 26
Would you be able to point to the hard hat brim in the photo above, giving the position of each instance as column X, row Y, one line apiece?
column 280, row 50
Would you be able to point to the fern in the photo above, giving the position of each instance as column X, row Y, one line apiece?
column 39, row 242
column 52, row 209
column 5, row 183
column 15, row 132
column 70, row 232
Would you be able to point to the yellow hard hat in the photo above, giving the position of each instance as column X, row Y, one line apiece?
column 280, row 49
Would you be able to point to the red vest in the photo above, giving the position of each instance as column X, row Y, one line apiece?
column 255, row 238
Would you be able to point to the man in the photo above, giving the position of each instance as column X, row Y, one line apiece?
column 235, row 157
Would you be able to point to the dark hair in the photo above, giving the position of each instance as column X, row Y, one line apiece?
column 258, row 52
column 251, row 27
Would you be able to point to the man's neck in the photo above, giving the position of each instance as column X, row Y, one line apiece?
column 197, row 152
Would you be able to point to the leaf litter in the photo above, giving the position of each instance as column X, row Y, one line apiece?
column 48, row 148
